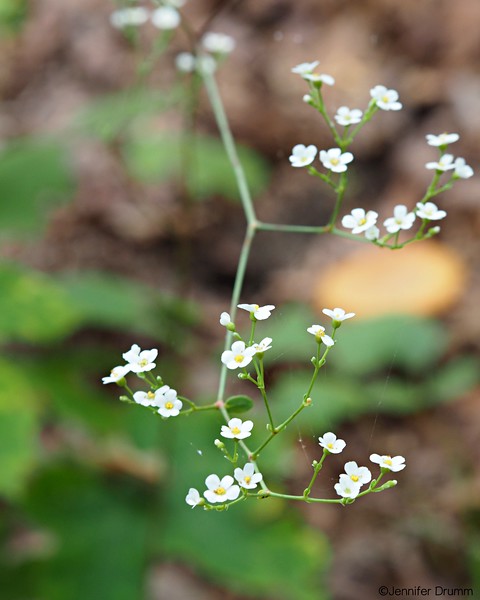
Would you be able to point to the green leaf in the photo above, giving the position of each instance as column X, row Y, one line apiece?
column 32, row 307
column 406, row 342
column 452, row 380
column 209, row 172
column 19, row 429
column 34, row 178
column 288, row 329
column 109, row 116
column 238, row 404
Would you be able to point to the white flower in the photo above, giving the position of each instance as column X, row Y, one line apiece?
column 175, row 3
column 319, row 332
column 346, row 117
column 445, row 163
column 357, row 474
column 116, row 374
column 337, row 314
column 168, row 403
column 126, row 17
column 140, row 360
column 263, row 346
column 165, row 17
column 430, row 211
column 372, row 233
column 220, row 490
column 305, row 68
column 218, row 43
column 247, row 478
column 319, row 78
column 149, row 398
column 462, row 170
column 330, row 442
column 237, row 429
column 225, row 319
column 335, row 160
column 206, row 64
column 402, row 219
column 442, row 140
column 303, row 155
column 238, row 356
column 384, row 98
column 307, row 98
column 392, row 463
column 185, row 62
column 193, row 497
column 259, row 312
column 346, row 487
column 359, row 221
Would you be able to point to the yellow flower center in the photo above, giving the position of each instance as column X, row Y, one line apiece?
column 257, row 306
column 150, row 395
column 248, row 479
column 385, row 99
column 330, row 445
column 235, row 430
column 387, row 460
column 362, row 221
column 168, row 405
column 143, row 362
column 354, row 477
column 238, row 358
column 334, row 161
column 220, row 491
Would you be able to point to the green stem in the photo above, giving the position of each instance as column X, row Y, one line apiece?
column 316, row 471
column 340, row 194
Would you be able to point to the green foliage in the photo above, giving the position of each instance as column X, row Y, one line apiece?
column 12, row 14
column 34, row 178
column 209, row 172
column 110, row 116
column 238, row 404
column 288, row 329
column 18, row 429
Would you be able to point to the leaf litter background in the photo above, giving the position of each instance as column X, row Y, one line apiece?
column 105, row 240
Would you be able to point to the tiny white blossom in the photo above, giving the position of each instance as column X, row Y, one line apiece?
column 206, row 64
column 442, row 140
column 372, row 233
column 220, row 490
column 346, row 117
column 307, row 98
column 445, row 163
column 129, row 17
column 302, row 155
column 357, row 474
column 359, row 220
column 168, row 404
column 392, row 463
column 237, row 429
column 238, row 356
column 140, row 360
column 225, row 319
column 462, row 170
column 402, row 219
column 185, row 62
column 259, row 312
column 165, row 17
column 330, row 442
column 319, row 332
column 319, row 78
column 116, row 374
column 384, row 98
column 335, row 160
column 149, row 398
column 430, row 211
column 337, row 314
column 346, row 487
column 305, row 68
column 247, row 478
column 193, row 497
column 264, row 345
column 218, row 43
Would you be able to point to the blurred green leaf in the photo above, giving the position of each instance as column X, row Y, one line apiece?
column 34, row 178
column 33, row 308
column 405, row 342
column 12, row 14
column 19, row 429
column 209, row 172
column 110, row 115
column 452, row 380
column 101, row 533
column 238, row 404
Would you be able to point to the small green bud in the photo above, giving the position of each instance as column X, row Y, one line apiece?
column 242, row 376
column 219, row 444
column 231, row 327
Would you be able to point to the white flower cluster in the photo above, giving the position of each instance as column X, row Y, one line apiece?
column 351, row 481
column 138, row 361
column 166, row 17
column 447, row 162
column 216, row 46
column 333, row 159
column 224, row 489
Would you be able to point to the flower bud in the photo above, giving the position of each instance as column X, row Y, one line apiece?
column 219, row 444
